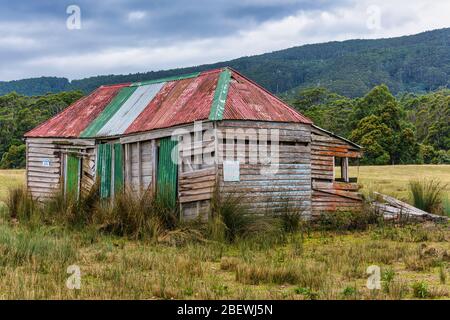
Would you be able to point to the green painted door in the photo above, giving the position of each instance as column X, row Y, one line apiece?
column 110, row 169
column 104, row 162
column 72, row 175
column 118, row 168
column 167, row 172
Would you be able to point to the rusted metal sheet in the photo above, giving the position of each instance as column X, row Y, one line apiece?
column 74, row 119
column 178, row 102
column 157, row 104
column 248, row 101
column 130, row 110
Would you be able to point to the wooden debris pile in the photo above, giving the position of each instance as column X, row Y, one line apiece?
column 394, row 209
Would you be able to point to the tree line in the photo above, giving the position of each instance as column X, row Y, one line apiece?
column 409, row 129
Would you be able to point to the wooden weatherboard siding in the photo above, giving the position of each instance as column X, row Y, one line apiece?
column 266, row 192
column 43, row 180
column 328, row 194
column 197, row 175
column 47, row 165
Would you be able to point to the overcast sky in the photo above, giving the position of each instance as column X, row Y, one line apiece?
column 39, row 38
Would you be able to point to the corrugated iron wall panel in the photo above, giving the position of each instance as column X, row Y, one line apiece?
column 130, row 110
column 118, row 168
column 77, row 117
column 167, row 179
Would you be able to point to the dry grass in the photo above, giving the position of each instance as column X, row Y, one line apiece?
column 316, row 265
column 33, row 264
column 394, row 180
column 10, row 179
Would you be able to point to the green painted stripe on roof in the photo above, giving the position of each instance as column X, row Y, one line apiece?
column 108, row 112
column 172, row 78
column 220, row 95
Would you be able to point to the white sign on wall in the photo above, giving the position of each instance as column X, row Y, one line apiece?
column 46, row 163
column 231, row 170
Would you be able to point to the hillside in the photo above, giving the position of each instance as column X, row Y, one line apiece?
column 417, row 63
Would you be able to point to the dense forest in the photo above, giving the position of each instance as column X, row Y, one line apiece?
column 410, row 128
column 19, row 114
column 418, row 63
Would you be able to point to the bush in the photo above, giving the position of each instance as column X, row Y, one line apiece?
column 427, row 195
column 291, row 217
column 347, row 220
column 136, row 217
column 21, row 205
column 420, row 290
column 230, row 219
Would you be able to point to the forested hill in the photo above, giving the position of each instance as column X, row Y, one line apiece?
column 417, row 63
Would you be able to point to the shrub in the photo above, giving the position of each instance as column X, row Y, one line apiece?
column 21, row 205
column 427, row 194
column 134, row 216
column 231, row 219
column 420, row 290
column 291, row 217
column 387, row 277
column 349, row 292
column 347, row 220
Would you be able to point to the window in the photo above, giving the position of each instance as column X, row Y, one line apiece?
column 341, row 174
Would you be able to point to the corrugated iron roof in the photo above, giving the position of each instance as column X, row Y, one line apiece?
column 74, row 119
column 132, row 108
column 248, row 101
column 178, row 102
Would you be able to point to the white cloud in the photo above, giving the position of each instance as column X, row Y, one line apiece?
column 136, row 15
column 398, row 17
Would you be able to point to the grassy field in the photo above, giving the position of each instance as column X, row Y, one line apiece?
column 413, row 260
column 393, row 180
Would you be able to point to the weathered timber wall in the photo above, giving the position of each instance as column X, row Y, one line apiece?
column 45, row 178
column 139, row 165
column 261, row 190
column 329, row 195
column 196, row 174
column 88, row 171
column 43, row 181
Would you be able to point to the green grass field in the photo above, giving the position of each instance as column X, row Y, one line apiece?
column 413, row 260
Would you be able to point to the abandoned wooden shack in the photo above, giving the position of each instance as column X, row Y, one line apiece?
column 185, row 136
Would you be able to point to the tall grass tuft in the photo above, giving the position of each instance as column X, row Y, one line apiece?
column 20, row 204
column 231, row 220
column 427, row 194
column 135, row 216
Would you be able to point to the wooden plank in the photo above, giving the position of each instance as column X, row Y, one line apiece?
column 199, row 185
column 198, row 173
column 43, row 151
column 341, row 193
column 199, row 197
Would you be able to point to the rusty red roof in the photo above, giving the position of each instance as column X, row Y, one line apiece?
column 178, row 102
column 74, row 119
column 221, row 94
column 248, row 101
